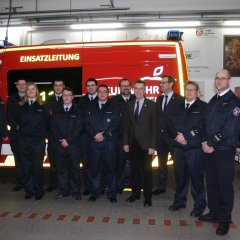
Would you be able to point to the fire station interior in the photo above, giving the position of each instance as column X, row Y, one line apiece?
column 207, row 28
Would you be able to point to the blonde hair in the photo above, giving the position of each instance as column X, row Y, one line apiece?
column 38, row 97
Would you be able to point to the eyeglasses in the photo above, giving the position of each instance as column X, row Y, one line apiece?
column 67, row 95
column 221, row 78
column 191, row 90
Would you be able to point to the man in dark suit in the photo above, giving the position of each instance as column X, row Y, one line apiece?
column 120, row 101
column 12, row 120
column 185, row 130
column 84, row 103
column 51, row 105
column 139, row 139
column 165, row 108
column 102, row 127
column 3, row 126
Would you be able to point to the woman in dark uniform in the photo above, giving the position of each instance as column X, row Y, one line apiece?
column 32, row 129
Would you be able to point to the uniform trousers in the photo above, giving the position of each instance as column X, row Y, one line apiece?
column 85, row 155
column 68, row 170
column 103, row 160
column 163, row 151
column 219, row 168
column 15, row 147
column 32, row 154
column 53, row 161
column 141, row 164
column 189, row 165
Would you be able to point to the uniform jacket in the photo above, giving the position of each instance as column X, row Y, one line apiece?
column 52, row 103
column 161, row 116
column 121, row 104
column 3, row 126
column 66, row 125
column 33, row 120
column 222, row 123
column 12, row 111
column 84, row 103
column 144, row 128
column 189, row 122
column 105, row 120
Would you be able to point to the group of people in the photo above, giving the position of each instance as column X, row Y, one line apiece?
column 106, row 132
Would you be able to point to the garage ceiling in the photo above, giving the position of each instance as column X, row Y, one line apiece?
column 59, row 12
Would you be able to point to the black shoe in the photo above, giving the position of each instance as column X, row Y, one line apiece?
column 76, row 196
column 112, row 199
column 59, row 196
column 147, row 203
column 51, row 188
column 92, row 199
column 27, row 196
column 175, row 207
column 17, row 188
column 158, row 191
column 196, row 212
column 86, row 192
column 132, row 198
column 207, row 218
column 223, row 228
column 120, row 191
column 38, row 197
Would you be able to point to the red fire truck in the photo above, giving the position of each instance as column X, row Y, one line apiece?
column 108, row 62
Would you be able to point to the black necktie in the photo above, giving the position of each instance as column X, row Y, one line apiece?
column 126, row 100
column 187, row 106
column 136, row 113
column 102, row 105
column 91, row 99
column 58, row 98
column 31, row 102
column 66, row 109
column 165, row 103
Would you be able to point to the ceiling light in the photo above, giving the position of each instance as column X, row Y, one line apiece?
column 97, row 26
column 173, row 24
column 231, row 23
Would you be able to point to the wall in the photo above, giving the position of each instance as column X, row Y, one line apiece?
column 204, row 47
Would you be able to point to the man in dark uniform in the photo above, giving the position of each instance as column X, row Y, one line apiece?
column 120, row 102
column 66, row 126
column 165, row 108
column 103, row 126
column 3, row 125
column 222, row 126
column 185, row 129
column 139, row 139
column 84, row 103
column 11, row 116
column 53, row 103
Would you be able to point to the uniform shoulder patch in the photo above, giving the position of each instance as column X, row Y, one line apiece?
column 236, row 111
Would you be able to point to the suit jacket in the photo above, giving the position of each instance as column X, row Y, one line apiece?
column 189, row 122
column 162, row 135
column 144, row 129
